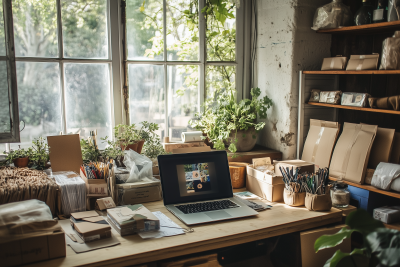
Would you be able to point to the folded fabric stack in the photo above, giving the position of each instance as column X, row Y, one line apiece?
column 73, row 192
column 17, row 184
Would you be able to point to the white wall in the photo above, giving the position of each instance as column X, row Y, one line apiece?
column 286, row 45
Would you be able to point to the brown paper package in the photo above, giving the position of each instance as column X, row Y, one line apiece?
column 391, row 102
column 294, row 199
column 319, row 202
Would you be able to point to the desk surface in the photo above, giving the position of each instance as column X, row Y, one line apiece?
column 279, row 220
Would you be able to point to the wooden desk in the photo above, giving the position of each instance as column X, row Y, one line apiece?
column 279, row 220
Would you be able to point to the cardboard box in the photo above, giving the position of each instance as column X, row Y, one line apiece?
column 307, row 239
column 334, row 63
column 368, row 176
column 303, row 165
column 90, row 226
column 169, row 147
column 140, row 192
column 351, row 154
column 105, row 203
column 320, row 141
column 387, row 214
column 65, row 153
column 96, row 187
column 381, row 148
column 28, row 250
column 363, row 62
column 191, row 149
column 395, row 155
column 264, row 185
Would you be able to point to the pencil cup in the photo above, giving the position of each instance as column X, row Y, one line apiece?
column 319, row 202
column 294, row 199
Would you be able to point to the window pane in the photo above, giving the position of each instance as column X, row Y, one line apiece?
column 146, row 95
column 183, row 30
column 183, row 98
column 219, row 79
column 5, row 126
column 35, row 28
column 144, row 29
column 2, row 33
column 87, row 99
column 221, row 35
column 39, row 98
column 85, row 32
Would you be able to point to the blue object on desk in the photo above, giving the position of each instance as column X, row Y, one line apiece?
column 369, row 200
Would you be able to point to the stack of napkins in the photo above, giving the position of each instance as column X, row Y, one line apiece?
column 90, row 226
column 132, row 219
column 73, row 192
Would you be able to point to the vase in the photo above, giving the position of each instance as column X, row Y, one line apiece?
column 245, row 142
column 21, row 162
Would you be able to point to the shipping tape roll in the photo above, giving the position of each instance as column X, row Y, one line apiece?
column 191, row 137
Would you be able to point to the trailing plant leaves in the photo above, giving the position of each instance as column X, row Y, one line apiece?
column 362, row 221
column 346, row 259
column 329, row 241
column 385, row 243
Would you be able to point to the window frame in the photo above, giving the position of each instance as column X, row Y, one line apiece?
column 14, row 134
column 202, row 62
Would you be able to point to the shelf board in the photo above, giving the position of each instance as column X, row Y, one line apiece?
column 355, row 108
column 395, row 226
column 365, row 29
column 370, row 188
column 351, row 72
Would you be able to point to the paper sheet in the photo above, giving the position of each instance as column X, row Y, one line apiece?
column 167, row 227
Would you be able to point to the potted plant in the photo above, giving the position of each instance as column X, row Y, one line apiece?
column 153, row 146
column 232, row 124
column 146, row 133
column 89, row 152
column 112, row 151
column 39, row 154
column 380, row 245
column 19, row 157
column 127, row 136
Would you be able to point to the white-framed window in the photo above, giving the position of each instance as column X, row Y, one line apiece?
column 71, row 56
column 176, row 58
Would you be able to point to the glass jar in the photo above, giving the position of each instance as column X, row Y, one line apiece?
column 340, row 195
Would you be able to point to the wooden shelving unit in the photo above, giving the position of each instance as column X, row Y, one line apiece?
column 365, row 29
column 351, row 72
column 395, row 226
column 355, row 108
column 371, row 188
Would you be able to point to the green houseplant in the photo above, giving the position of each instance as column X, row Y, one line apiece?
column 380, row 245
column 39, row 154
column 89, row 152
column 227, row 122
column 152, row 146
column 128, row 136
column 19, row 157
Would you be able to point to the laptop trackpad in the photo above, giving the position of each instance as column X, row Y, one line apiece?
column 216, row 215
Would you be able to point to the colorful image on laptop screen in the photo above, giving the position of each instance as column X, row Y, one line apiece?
column 197, row 177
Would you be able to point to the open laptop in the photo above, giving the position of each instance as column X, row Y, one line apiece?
column 197, row 187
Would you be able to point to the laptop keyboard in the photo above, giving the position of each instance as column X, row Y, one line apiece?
column 207, row 206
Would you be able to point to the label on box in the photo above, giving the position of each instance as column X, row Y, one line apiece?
column 378, row 14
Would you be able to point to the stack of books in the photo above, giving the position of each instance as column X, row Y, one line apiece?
column 132, row 219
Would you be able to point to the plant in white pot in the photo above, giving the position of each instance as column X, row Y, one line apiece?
column 232, row 124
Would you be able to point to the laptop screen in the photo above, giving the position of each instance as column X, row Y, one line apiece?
column 194, row 177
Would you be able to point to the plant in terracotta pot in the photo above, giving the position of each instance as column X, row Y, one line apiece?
column 39, row 154
column 19, row 157
column 232, row 124
column 89, row 151
column 128, row 136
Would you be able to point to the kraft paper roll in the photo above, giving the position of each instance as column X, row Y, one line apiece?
column 191, row 137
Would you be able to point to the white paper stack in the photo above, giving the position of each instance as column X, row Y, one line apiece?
column 73, row 192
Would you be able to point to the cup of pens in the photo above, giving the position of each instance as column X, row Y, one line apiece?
column 307, row 189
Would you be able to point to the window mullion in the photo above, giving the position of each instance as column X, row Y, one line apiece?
column 203, row 54
column 165, row 67
column 61, row 67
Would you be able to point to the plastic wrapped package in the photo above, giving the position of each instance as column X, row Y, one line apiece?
column 391, row 53
column 121, row 174
column 332, row 15
column 330, row 97
column 393, row 10
column 25, row 219
column 385, row 174
column 355, row 99
column 73, row 192
column 139, row 165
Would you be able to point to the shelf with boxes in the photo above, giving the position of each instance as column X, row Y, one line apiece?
column 355, row 108
column 347, row 72
column 365, row 29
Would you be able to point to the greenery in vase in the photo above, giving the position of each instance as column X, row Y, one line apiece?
column 380, row 245
column 226, row 116
column 39, row 154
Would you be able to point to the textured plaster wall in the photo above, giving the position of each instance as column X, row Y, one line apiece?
column 286, row 44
